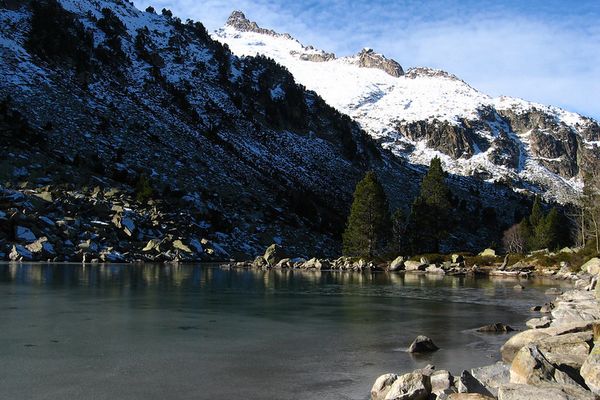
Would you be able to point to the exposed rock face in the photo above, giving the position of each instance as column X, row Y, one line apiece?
column 238, row 20
column 367, row 58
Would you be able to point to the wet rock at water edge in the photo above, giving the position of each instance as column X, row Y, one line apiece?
column 422, row 344
column 495, row 328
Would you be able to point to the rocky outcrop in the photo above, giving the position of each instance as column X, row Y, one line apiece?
column 367, row 58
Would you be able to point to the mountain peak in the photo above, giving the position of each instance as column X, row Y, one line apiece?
column 368, row 58
column 239, row 22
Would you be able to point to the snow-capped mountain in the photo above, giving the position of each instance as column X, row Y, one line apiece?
column 421, row 113
column 104, row 106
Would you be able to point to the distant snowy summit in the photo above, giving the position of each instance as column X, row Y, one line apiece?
column 421, row 113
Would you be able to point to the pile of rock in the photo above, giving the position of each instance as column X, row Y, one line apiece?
column 99, row 225
column 559, row 358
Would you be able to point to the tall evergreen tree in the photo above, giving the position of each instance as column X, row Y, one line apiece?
column 369, row 224
column 430, row 213
column 537, row 213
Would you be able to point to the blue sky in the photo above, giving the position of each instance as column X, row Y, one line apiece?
column 544, row 51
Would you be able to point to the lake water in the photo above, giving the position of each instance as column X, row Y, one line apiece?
column 201, row 332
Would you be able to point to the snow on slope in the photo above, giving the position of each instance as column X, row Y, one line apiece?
column 380, row 103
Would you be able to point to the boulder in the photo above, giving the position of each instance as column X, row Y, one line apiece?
column 434, row 269
column 382, row 386
column 498, row 327
column 273, row 254
column 153, row 244
column 179, row 245
column 537, row 323
column 545, row 391
column 457, row 258
column 422, row 344
column 468, row 396
column 547, row 308
column 411, row 386
column 592, row 267
column 397, row 264
column 441, row 381
column 568, row 350
column 20, row 253
column 313, row 263
column 414, row 266
column 260, row 262
column 553, row 292
column 23, row 234
column 590, row 370
column 530, row 366
column 518, row 287
column 467, row 383
column 492, row 376
column 488, row 253
column 515, row 343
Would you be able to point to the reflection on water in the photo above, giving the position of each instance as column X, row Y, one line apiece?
column 197, row 331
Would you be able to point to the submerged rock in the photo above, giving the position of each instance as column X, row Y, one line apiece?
column 498, row 327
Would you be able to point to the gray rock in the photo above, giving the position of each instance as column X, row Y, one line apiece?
column 422, row 344
column 530, row 366
column 592, row 267
column 518, row 287
column 537, row 323
column 441, row 381
column 498, row 327
column 492, row 376
column 397, row 264
column 24, row 234
column 467, row 383
column 590, row 370
column 457, row 258
column 20, row 253
column 570, row 349
column 515, row 343
column 411, row 386
column 434, row 269
column 488, row 253
column 553, row 292
column 367, row 58
column 382, row 386
column 414, row 266
column 468, row 396
column 545, row 391
column 273, row 254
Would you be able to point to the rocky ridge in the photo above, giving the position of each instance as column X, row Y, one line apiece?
column 425, row 113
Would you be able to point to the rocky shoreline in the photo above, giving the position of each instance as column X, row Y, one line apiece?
column 557, row 358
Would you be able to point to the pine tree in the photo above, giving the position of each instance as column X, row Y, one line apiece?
column 369, row 223
column 430, row 213
column 537, row 213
